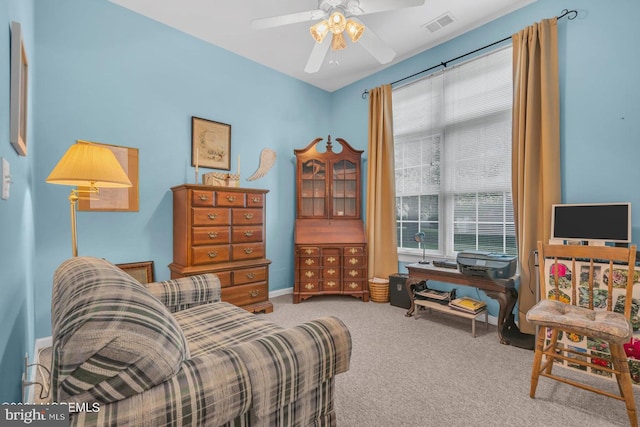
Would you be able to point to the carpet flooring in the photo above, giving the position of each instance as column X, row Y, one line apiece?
column 429, row 371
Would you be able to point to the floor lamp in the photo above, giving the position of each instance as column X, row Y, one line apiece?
column 91, row 166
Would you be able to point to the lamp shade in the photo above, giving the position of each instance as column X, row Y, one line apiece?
column 89, row 165
column 354, row 29
column 320, row 30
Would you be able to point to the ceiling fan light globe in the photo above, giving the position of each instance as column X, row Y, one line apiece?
column 355, row 30
column 337, row 22
column 338, row 43
column 319, row 31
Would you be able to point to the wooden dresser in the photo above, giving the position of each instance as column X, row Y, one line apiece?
column 330, row 243
column 221, row 230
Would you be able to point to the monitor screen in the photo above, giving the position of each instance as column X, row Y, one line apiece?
column 607, row 222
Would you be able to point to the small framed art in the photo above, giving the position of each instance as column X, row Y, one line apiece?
column 210, row 144
column 141, row 271
column 19, row 90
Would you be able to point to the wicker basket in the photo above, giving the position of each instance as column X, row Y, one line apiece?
column 379, row 290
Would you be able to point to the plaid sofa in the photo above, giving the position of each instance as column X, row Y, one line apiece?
column 172, row 354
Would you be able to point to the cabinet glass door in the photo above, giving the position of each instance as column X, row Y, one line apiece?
column 313, row 192
column 344, row 195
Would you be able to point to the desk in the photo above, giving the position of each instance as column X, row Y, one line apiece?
column 502, row 290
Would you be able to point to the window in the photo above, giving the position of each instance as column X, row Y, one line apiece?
column 452, row 133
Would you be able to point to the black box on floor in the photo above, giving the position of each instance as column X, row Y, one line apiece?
column 398, row 295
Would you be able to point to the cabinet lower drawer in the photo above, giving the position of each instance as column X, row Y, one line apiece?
column 249, row 275
column 210, row 235
column 246, row 234
column 248, row 251
column 210, row 216
column 209, row 254
column 246, row 294
column 247, row 216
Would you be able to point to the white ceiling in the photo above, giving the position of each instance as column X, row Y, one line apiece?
column 227, row 24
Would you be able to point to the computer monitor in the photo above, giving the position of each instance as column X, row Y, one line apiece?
column 593, row 223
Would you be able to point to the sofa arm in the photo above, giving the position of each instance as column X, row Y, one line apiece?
column 209, row 390
column 287, row 365
column 185, row 292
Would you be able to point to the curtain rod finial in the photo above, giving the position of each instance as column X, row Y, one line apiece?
column 365, row 94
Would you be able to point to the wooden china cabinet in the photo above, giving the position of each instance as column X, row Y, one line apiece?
column 221, row 230
column 330, row 243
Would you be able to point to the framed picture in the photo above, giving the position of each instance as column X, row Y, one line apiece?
column 210, row 144
column 116, row 199
column 19, row 90
column 141, row 271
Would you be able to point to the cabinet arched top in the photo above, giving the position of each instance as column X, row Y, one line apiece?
column 312, row 148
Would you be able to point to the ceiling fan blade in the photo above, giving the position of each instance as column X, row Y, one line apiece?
column 374, row 6
column 292, row 18
column 317, row 56
column 376, row 47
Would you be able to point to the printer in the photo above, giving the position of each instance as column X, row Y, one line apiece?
column 492, row 265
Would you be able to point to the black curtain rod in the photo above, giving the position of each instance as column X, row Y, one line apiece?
column 573, row 14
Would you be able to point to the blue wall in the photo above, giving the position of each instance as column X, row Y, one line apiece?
column 106, row 74
column 16, row 214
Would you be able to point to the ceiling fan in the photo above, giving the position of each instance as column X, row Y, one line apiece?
column 337, row 17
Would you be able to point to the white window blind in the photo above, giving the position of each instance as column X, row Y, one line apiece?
column 452, row 133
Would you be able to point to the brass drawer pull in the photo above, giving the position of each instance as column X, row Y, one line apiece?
column 248, row 215
column 309, row 286
column 353, row 261
column 256, row 199
column 353, row 250
column 213, row 234
column 248, row 233
column 309, row 251
column 250, row 275
column 331, row 284
column 212, row 254
column 254, row 293
column 353, row 273
column 231, row 198
column 212, row 216
column 331, row 272
column 331, row 259
column 353, row 285
column 309, row 261
column 248, row 251
column 203, row 197
column 309, row 274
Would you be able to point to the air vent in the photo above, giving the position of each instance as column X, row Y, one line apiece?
column 438, row 23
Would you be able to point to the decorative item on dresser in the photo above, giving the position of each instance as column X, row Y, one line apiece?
column 330, row 243
column 221, row 230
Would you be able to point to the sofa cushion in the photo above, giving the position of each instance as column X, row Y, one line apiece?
column 112, row 338
column 219, row 325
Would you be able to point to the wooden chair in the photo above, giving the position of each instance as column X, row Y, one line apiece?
column 576, row 303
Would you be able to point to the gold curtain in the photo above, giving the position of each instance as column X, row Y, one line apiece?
column 381, row 192
column 536, row 148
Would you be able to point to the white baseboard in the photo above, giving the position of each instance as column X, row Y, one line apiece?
column 281, row 292
column 31, row 371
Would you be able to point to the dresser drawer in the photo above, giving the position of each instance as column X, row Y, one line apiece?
column 310, row 274
column 210, row 235
column 309, row 250
column 309, row 262
column 209, row 254
column 227, row 198
column 255, row 200
column 354, row 261
column 248, row 251
column 249, row 275
column 225, row 278
column 246, row 234
column 247, row 216
column 331, row 260
column 246, row 294
column 331, row 273
column 202, row 198
column 210, row 216
column 331, row 285
column 309, row 286
column 354, row 285
column 354, row 273
column 353, row 250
